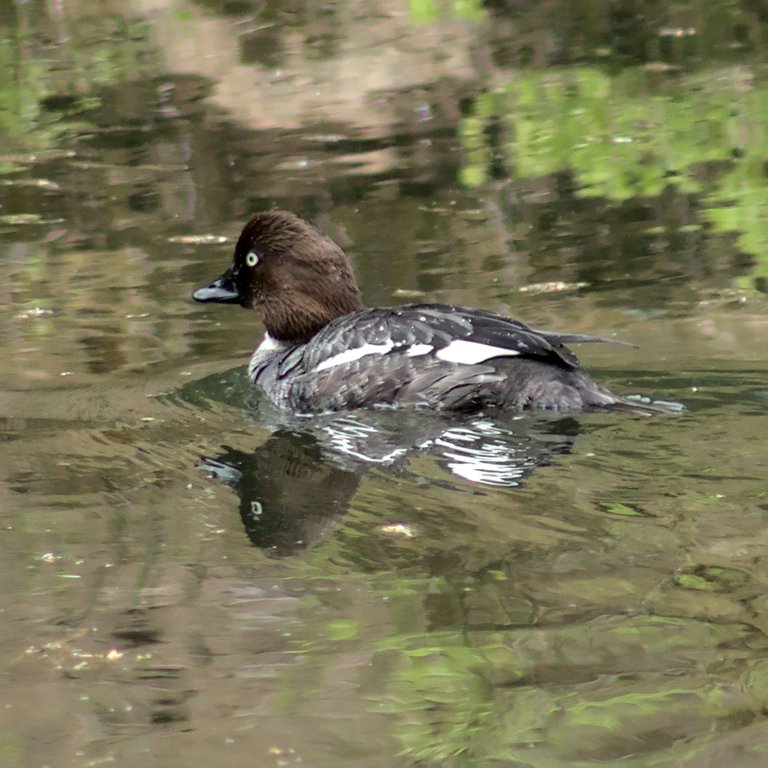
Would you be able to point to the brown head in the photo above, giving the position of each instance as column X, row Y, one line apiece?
column 295, row 277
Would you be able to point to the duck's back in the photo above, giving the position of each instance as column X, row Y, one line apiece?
column 433, row 356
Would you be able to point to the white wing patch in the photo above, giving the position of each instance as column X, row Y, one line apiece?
column 458, row 351
column 472, row 352
column 350, row 355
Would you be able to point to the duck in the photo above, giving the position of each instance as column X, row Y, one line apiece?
column 324, row 351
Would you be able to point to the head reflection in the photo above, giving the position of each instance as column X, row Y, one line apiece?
column 289, row 495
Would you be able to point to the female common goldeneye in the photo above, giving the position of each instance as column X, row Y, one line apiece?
column 324, row 351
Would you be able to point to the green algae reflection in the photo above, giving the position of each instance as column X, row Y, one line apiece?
column 632, row 134
column 605, row 690
column 47, row 87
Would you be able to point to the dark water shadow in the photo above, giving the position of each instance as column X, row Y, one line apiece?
column 294, row 486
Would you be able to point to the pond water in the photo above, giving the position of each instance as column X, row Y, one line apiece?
column 191, row 578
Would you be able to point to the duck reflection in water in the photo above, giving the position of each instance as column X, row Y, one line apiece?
column 289, row 495
column 299, row 483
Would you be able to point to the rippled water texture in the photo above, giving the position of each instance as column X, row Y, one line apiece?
column 193, row 579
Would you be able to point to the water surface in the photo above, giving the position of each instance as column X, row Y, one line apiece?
column 193, row 578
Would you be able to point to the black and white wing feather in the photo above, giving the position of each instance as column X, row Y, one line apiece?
column 447, row 333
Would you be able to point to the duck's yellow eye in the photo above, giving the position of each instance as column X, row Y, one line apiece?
column 252, row 259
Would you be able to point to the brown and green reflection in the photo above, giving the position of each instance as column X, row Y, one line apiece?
column 548, row 626
column 611, row 610
column 634, row 134
column 640, row 689
column 533, row 696
column 54, row 61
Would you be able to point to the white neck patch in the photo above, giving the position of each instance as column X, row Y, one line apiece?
column 269, row 344
column 266, row 349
